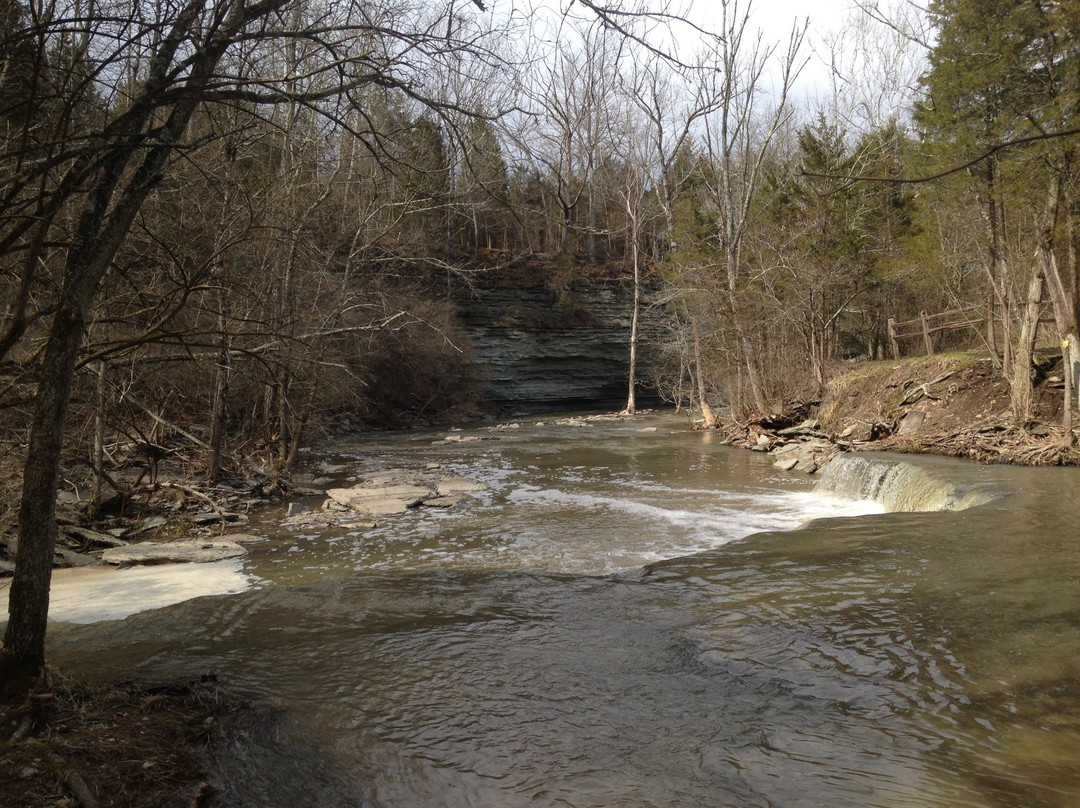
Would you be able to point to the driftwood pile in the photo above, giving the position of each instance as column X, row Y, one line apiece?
column 154, row 518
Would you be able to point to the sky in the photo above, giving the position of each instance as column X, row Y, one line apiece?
column 876, row 82
column 776, row 18
column 878, row 79
column 824, row 15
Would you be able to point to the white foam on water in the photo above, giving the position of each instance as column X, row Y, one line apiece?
column 654, row 532
column 94, row 594
column 823, row 506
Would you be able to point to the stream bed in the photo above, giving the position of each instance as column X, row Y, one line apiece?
column 632, row 614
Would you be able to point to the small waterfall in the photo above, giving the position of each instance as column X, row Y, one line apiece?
column 896, row 485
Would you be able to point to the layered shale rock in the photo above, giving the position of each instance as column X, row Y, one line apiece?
column 539, row 350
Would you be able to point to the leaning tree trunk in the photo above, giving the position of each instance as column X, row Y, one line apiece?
column 753, row 373
column 24, row 640
column 745, row 341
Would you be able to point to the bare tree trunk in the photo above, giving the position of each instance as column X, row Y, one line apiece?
column 24, row 639
column 631, row 396
column 1020, row 384
column 284, row 430
column 753, row 373
column 703, row 399
column 104, row 220
column 298, row 432
column 98, row 460
column 218, row 409
column 1064, row 303
column 592, row 222
column 998, row 268
column 1070, row 386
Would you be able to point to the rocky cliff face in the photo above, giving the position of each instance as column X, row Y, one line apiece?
column 539, row 350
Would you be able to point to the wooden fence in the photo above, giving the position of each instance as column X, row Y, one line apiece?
column 929, row 324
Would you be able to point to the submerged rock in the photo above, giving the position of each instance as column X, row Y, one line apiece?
column 312, row 520
column 445, row 486
column 295, row 509
column 245, row 538
column 444, row 502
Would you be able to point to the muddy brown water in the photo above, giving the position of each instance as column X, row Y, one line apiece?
column 644, row 618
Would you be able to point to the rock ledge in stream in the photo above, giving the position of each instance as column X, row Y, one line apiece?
column 395, row 492
column 152, row 552
column 803, row 448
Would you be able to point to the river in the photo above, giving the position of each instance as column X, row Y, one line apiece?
column 635, row 615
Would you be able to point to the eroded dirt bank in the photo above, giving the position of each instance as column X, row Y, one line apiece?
column 950, row 404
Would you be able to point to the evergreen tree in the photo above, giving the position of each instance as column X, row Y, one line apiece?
column 1004, row 73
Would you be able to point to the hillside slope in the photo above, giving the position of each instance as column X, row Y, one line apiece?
column 952, row 404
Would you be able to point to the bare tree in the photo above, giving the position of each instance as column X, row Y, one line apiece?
column 748, row 82
column 563, row 134
column 633, row 139
column 874, row 63
column 122, row 84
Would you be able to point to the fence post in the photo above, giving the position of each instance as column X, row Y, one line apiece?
column 926, row 333
column 892, row 338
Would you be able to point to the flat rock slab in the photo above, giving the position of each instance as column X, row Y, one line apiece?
column 391, row 492
column 93, row 537
column 153, row 552
column 384, row 506
column 69, row 558
column 380, row 500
